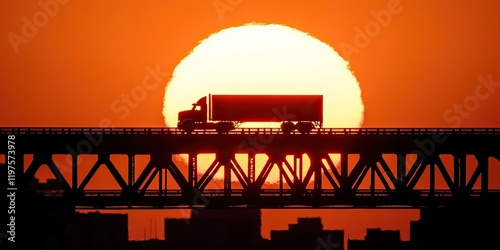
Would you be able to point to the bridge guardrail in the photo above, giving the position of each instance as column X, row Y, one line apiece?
column 263, row 192
column 175, row 131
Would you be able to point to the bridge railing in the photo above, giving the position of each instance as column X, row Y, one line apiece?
column 265, row 192
column 175, row 131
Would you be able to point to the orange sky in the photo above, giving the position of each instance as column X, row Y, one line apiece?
column 63, row 63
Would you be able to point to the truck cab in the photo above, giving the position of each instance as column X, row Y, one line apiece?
column 188, row 119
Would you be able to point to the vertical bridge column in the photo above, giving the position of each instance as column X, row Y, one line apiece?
column 131, row 170
column 192, row 169
column 251, row 167
column 401, row 172
column 74, row 172
column 316, row 166
column 482, row 162
column 161, row 181
column 297, row 166
column 344, row 174
column 432, row 174
column 225, row 159
column 459, row 173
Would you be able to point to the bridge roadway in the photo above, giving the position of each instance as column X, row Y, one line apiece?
column 267, row 198
column 355, row 140
column 322, row 184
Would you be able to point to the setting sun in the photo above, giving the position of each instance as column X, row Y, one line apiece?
column 265, row 59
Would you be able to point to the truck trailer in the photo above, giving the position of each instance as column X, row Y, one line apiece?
column 224, row 113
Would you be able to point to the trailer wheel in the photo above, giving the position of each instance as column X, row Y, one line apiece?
column 188, row 126
column 224, row 127
column 220, row 130
column 287, row 127
column 304, row 127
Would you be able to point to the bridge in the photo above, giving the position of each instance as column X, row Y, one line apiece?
column 328, row 168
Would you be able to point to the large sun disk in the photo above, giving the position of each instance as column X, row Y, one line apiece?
column 265, row 59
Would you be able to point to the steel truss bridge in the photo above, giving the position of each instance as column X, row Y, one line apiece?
column 369, row 180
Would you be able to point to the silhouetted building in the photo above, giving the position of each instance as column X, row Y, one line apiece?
column 216, row 229
column 176, row 232
column 308, row 233
column 64, row 228
column 151, row 244
column 377, row 239
column 61, row 229
column 465, row 227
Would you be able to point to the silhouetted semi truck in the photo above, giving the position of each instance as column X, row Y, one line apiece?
column 225, row 112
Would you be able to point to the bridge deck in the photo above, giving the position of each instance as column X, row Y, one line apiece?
column 170, row 130
column 300, row 185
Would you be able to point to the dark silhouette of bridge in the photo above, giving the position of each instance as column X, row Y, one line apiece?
column 421, row 157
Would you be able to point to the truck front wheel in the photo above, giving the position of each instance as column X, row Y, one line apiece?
column 188, row 126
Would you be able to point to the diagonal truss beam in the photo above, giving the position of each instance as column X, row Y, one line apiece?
column 284, row 174
column 381, row 177
column 387, row 170
column 104, row 159
column 292, row 172
column 60, row 178
column 111, row 167
column 208, row 175
column 90, row 174
column 481, row 167
column 445, row 174
column 238, row 171
column 416, row 171
column 332, row 167
column 157, row 162
column 176, row 173
column 360, row 179
column 150, row 179
column 329, row 177
column 37, row 162
column 144, row 174
column 264, row 173
column 356, row 171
